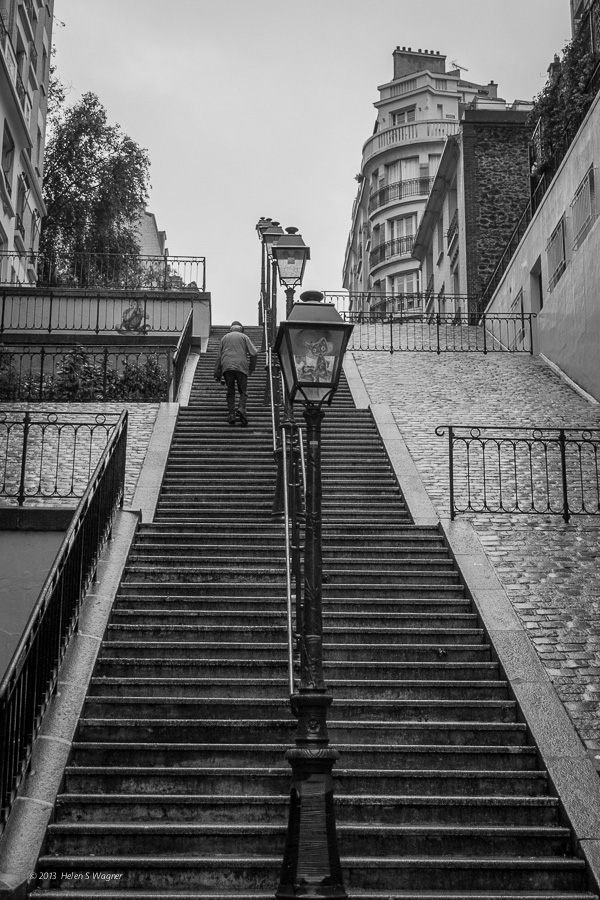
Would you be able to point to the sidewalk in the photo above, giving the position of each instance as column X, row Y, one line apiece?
column 550, row 570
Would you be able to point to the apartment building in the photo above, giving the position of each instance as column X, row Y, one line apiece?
column 478, row 194
column 417, row 111
column 25, row 46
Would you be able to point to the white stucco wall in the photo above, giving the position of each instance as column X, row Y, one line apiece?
column 568, row 324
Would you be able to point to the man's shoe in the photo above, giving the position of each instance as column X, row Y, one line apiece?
column 231, row 419
column 241, row 416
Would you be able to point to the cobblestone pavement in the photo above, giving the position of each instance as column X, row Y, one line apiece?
column 550, row 570
column 69, row 460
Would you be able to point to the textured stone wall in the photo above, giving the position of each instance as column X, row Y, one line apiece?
column 496, row 174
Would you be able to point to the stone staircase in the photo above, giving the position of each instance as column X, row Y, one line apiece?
column 178, row 787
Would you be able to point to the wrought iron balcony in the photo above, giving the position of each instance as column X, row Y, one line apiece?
column 397, row 247
column 400, row 190
column 112, row 271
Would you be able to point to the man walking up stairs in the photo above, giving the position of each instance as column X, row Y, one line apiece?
column 178, row 787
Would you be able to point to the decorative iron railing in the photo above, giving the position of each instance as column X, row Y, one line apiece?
column 182, row 351
column 96, row 313
column 109, row 271
column 400, row 190
column 542, row 471
column 43, row 456
column 388, row 323
column 32, row 675
column 38, row 374
column 397, row 247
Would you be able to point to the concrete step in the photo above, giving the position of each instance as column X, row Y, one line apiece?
column 115, row 894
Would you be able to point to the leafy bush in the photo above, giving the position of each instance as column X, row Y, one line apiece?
column 78, row 379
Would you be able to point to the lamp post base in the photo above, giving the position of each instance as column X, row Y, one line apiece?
column 311, row 861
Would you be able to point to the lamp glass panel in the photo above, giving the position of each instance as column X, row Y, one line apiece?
column 317, row 353
column 290, row 262
column 286, row 360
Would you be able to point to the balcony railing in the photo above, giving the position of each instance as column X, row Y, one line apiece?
column 396, row 247
column 400, row 190
column 110, row 271
column 430, row 130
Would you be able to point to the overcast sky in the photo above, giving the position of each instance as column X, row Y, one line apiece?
column 254, row 108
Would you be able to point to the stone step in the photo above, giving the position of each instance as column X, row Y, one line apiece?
column 128, row 613
column 270, row 632
column 269, row 730
column 260, row 650
column 222, row 796
column 510, row 767
column 149, row 598
column 256, row 838
column 213, row 590
column 239, row 873
column 390, row 689
column 379, row 710
column 115, row 660
column 434, row 575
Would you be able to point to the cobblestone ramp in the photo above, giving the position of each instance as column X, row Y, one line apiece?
column 178, row 786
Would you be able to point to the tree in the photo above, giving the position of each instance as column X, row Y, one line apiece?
column 96, row 181
column 565, row 99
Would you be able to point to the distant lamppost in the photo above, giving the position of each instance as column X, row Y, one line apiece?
column 290, row 253
column 311, row 346
column 269, row 235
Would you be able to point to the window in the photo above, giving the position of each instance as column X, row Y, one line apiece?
column 403, row 116
column 434, row 163
column 8, row 157
column 440, row 238
column 555, row 250
column 440, row 110
column 584, row 208
column 405, row 226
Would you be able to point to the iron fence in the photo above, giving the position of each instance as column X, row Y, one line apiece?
column 182, row 351
column 553, row 471
column 454, row 332
column 43, row 457
column 32, row 675
column 109, row 271
column 38, row 374
column 55, row 312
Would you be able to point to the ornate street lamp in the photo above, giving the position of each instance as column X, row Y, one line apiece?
column 290, row 253
column 311, row 346
column 269, row 232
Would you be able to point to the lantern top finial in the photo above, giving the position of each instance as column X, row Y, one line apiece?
column 311, row 296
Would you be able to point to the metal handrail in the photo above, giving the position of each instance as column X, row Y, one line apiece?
column 288, row 562
column 32, row 675
column 182, row 351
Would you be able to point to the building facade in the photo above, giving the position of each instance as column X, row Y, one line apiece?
column 416, row 112
column 477, row 196
column 25, row 47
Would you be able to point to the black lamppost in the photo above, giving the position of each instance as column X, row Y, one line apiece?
column 290, row 253
column 311, row 346
column 269, row 234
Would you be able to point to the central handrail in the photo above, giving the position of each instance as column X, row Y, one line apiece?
column 288, row 561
